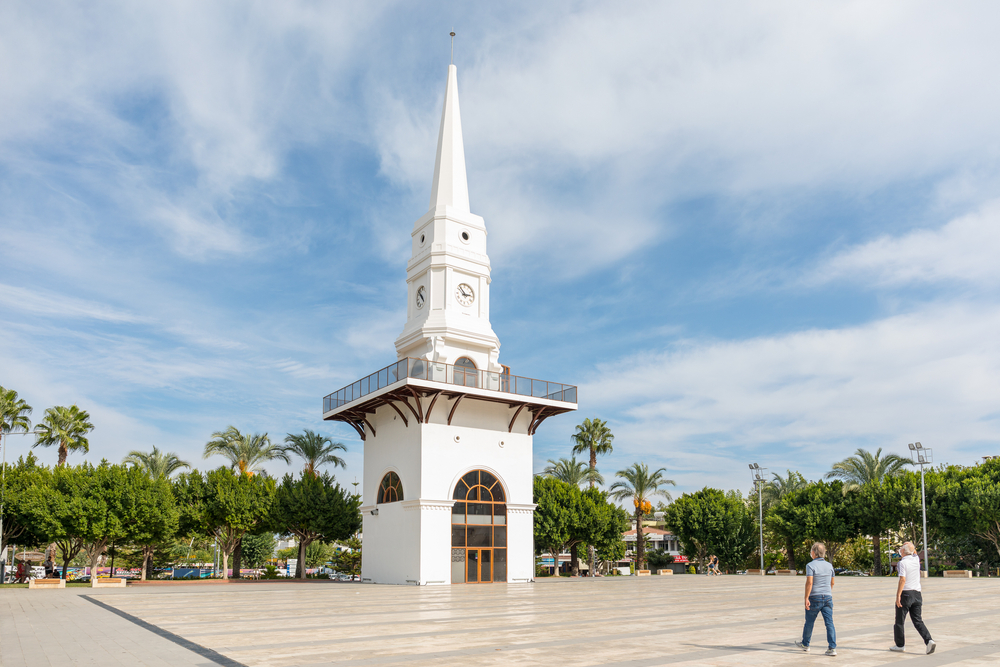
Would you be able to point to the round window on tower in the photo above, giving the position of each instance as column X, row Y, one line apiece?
column 422, row 239
column 465, row 237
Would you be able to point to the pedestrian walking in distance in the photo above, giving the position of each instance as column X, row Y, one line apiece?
column 909, row 599
column 819, row 599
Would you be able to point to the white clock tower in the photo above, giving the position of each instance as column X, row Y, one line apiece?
column 447, row 430
column 448, row 275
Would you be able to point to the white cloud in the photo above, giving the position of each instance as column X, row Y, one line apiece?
column 966, row 249
column 50, row 304
column 631, row 108
column 806, row 399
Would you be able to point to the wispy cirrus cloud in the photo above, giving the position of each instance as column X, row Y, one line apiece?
column 964, row 250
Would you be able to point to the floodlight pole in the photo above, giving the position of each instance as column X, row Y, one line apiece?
column 758, row 477
column 923, row 456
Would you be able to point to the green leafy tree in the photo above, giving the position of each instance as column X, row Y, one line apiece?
column 600, row 525
column 968, row 501
column 865, row 468
column 640, row 485
column 159, row 465
column 712, row 521
column 315, row 449
column 554, row 515
column 14, row 412
column 258, row 549
column 349, row 558
column 25, row 507
column 314, row 508
column 246, row 454
column 150, row 514
column 821, row 512
column 65, row 427
column 573, row 472
column 224, row 505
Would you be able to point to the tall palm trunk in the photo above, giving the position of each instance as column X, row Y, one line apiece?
column 877, row 542
column 591, row 556
column 63, row 452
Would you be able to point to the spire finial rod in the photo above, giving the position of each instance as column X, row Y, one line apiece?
column 452, row 47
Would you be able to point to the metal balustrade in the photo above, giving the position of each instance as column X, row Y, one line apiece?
column 423, row 369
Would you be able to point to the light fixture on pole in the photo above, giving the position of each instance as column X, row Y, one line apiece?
column 922, row 456
column 759, row 476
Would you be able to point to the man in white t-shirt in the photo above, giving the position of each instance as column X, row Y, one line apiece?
column 909, row 599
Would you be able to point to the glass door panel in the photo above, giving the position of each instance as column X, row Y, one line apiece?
column 472, row 559
column 485, row 566
column 458, row 566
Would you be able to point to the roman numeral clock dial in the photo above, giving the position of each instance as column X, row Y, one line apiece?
column 464, row 295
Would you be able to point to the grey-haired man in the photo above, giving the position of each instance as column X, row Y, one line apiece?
column 909, row 599
column 819, row 599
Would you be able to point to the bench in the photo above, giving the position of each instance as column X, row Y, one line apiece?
column 46, row 583
column 107, row 582
column 757, row 572
column 642, row 573
column 785, row 573
column 957, row 574
column 662, row 572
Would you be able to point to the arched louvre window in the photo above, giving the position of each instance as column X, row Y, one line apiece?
column 390, row 490
column 479, row 529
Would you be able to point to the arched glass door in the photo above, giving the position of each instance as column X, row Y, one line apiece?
column 466, row 373
column 478, row 530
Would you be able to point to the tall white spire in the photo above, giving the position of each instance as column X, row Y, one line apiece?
column 451, row 187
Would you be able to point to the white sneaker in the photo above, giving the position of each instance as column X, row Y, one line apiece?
column 931, row 645
column 896, row 649
column 802, row 646
column 831, row 651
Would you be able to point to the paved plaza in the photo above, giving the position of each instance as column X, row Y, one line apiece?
column 627, row 621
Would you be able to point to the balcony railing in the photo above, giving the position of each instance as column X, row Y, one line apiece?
column 422, row 369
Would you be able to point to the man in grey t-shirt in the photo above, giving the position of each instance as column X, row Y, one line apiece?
column 819, row 599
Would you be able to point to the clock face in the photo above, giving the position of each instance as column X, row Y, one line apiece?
column 421, row 296
column 465, row 295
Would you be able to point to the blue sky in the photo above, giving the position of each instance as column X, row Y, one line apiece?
column 760, row 232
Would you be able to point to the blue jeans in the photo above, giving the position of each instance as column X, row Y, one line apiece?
column 817, row 604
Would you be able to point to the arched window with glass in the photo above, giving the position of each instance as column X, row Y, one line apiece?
column 390, row 490
column 466, row 373
column 479, row 530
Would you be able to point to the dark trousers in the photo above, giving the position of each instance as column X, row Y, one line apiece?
column 912, row 603
column 820, row 604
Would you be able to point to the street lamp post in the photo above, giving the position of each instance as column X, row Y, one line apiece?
column 922, row 456
column 759, row 476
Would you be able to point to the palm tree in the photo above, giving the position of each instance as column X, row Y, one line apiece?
column 773, row 492
column 573, row 472
column 66, row 427
column 867, row 468
column 14, row 413
column 593, row 437
column 247, row 452
column 779, row 487
column 316, row 449
column 159, row 465
column 639, row 484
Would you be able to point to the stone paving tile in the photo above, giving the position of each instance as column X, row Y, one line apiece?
column 616, row 622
